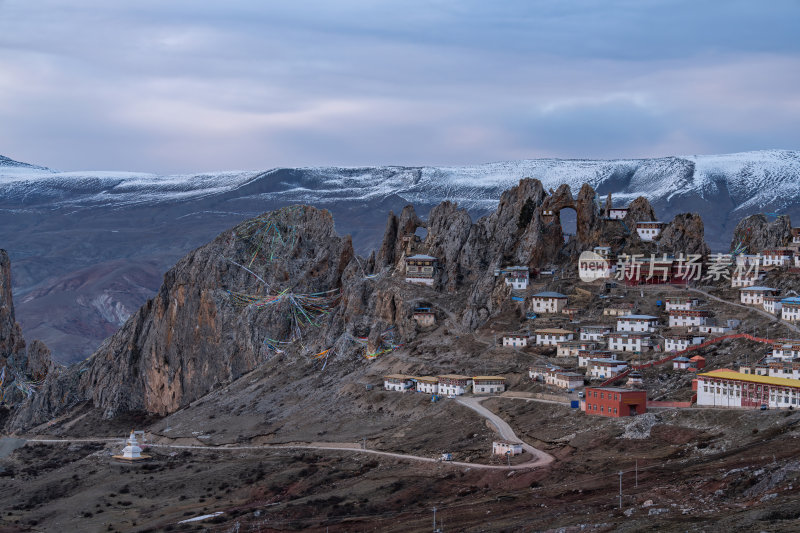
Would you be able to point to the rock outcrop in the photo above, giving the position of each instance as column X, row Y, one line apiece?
column 639, row 210
column 195, row 335
column 756, row 233
column 29, row 364
column 12, row 344
column 683, row 235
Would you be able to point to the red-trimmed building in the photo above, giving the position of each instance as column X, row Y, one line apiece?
column 661, row 271
column 615, row 402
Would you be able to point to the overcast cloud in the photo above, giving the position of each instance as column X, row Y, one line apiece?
column 185, row 86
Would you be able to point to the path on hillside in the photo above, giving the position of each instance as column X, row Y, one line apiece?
column 504, row 429
column 749, row 308
column 538, row 457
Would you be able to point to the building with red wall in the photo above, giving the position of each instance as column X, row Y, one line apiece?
column 615, row 401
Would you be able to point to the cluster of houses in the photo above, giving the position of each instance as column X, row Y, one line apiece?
column 752, row 268
column 445, row 384
column 597, row 348
column 767, row 298
column 773, row 381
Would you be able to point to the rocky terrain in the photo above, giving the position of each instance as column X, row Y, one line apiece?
column 277, row 333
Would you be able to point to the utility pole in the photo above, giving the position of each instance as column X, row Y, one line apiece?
column 637, row 473
column 364, row 443
column 434, row 520
column 620, row 489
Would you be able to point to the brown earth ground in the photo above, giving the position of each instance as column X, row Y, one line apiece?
column 698, row 469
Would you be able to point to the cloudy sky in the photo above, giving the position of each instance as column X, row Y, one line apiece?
column 184, row 85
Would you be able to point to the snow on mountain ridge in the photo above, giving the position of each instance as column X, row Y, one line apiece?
column 752, row 179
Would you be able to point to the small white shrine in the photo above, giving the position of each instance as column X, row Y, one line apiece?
column 132, row 451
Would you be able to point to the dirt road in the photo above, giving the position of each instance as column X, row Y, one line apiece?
column 540, row 458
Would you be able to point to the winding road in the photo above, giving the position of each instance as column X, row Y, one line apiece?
column 538, row 457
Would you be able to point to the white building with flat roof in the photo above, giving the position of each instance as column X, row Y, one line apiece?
column 628, row 342
column 571, row 348
column 779, row 257
column 685, row 318
column 515, row 339
column 488, row 384
column 428, row 384
column 421, row 269
column 585, row 356
column 398, row 382
column 755, row 295
column 606, row 368
column 563, row 379
column 454, row 384
column 790, row 309
column 501, row 447
column 678, row 343
column 552, row 336
column 772, row 305
column 594, row 333
column 637, row 323
column 617, row 213
column 515, row 276
column 734, row 389
column 649, row 231
column 680, row 303
column 548, row 302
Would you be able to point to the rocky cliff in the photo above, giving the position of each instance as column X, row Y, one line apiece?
column 756, row 233
column 286, row 285
column 216, row 313
column 22, row 368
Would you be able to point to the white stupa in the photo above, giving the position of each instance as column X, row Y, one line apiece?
column 132, row 451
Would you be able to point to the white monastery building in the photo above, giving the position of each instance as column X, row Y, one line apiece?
column 515, row 276
column 734, row 389
column 648, row 231
column 678, row 343
column 552, row 336
column 617, row 213
column 420, row 269
column 488, row 384
column 454, row 384
column 585, row 356
column 563, row 379
column 628, row 342
column 680, row 303
column 779, row 257
column 755, row 295
column 428, row 384
column 397, row 382
column 790, row 309
column 594, row 333
column 606, row 368
column 515, row 339
column 548, row 302
column 772, row 304
column 684, row 318
column 572, row 348
column 637, row 323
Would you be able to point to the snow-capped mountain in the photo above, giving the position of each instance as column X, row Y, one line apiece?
column 762, row 180
column 61, row 227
